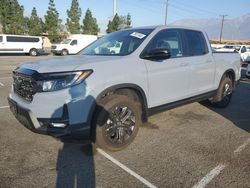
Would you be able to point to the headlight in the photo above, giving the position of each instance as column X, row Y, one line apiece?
column 58, row 81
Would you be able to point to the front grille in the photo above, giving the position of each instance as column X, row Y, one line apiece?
column 53, row 47
column 24, row 85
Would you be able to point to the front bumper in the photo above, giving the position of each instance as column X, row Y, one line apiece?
column 40, row 51
column 248, row 74
column 54, row 51
column 72, row 108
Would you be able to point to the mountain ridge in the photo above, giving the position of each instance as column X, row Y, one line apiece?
column 234, row 29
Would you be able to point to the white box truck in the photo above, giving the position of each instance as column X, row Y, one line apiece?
column 73, row 44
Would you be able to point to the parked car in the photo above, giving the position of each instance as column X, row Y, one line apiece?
column 227, row 48
column 73, row 44
column 105, row 96
column 248, row 71
column 244, row 54
column 21, row 44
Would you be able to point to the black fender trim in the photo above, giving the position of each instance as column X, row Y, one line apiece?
column 125, row 86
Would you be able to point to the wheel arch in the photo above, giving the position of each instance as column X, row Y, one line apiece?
column 231, row 74
column 132, row 90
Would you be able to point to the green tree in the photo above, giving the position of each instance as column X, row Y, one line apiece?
column 114, row 24
column 34, row 24
column 74, row 16
column 52, row 22
column 4, row 7
column 118, row 23
column 128, row 21
column 90, row 25
column 11, row 17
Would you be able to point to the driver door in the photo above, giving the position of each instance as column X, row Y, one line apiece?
column 74, row 47
column 168, row 80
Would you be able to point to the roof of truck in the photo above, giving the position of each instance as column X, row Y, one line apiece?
column 159, row 27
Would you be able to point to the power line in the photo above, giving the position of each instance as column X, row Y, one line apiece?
column 222, row 24
column 187, row 5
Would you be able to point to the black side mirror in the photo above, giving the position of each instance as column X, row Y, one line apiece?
column 158, row 54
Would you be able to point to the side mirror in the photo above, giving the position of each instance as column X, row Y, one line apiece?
column 158, row 54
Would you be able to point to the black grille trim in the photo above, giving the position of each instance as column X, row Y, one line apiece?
column 24, row 83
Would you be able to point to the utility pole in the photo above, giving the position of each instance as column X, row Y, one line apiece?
column 222, row 25
column 166, row 12
column 114, row 8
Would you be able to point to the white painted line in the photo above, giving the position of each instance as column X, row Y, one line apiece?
column 2, row 107
column 132, row 173
column 1, row 84
column 241, row 147
column 208, row 178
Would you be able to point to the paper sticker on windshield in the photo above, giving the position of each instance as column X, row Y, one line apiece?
column 138, row 35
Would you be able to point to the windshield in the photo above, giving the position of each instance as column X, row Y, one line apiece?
column 66, row 41
column 118, row 43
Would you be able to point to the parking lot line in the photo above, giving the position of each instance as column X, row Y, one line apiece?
column 211, row 175
column 2, row 107
column 1, row 84
column 241, row 147
column 122, row 166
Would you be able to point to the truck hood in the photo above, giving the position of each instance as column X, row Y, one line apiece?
column 69, row 63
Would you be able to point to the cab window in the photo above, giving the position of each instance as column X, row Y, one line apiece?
column 74, row 42
column 1, row 38
column 196, row 43
column 169, row 39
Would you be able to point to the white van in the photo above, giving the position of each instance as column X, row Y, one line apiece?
column 73, row 44
column 21, row 44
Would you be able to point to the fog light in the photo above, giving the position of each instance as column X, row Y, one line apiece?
column 58, row 125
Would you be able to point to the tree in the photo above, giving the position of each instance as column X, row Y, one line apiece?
column 4, row 7
column 52, row 22
column 34, row 24
column 11, row 17
column 128, row 21
column 74, row 16
column 90, row 25
column 114, row 24
column 118, row 23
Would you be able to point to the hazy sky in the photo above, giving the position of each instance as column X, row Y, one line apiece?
column 146, row 12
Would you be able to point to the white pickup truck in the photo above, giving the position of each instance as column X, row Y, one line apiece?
column 106, row 95
column 244, row 54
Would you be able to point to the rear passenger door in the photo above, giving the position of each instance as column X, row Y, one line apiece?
column 201, row 64
column 168, row 80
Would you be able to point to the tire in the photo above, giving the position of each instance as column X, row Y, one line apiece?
column 115, row 132
column 64, row 52
column 224, row 93
column 33, row 52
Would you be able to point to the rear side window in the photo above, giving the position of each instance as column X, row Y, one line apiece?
column 1, row 38
column 196, row 43
column 22, row 39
